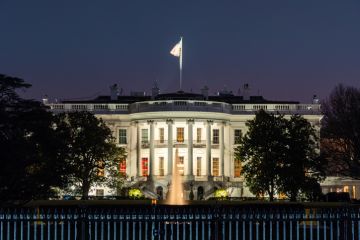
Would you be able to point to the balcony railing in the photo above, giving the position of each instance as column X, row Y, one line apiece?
column 180, row 143
column 145, row 144
column 196, row 144
column 186, row 105
column 160, row 143
column 164, row 143
column 178, row 105
column 199, row 144
column 91, row 107
column 281, row 108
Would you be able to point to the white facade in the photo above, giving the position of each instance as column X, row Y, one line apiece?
column 199, row 135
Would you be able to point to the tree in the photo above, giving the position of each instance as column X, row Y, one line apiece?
column 302, row 167
column 280, row 156
column 261, row 150
column 92, row 151
column 30, row 160
column 341, row 131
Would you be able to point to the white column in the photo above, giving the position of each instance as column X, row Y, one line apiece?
column 208, row 147
column 170, row 145
column 138, row 147
column 131, row 168
column 190, row 172
column 222, row 148
column 152, row 155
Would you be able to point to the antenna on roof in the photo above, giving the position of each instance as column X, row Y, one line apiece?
column 239, row 92
column 315, row 99
column 246, row 89
column 114, row 92
column 205, row 92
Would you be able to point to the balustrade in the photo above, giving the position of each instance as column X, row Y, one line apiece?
column 196, row 106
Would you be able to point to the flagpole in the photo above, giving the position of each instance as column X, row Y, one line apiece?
column 180, row 61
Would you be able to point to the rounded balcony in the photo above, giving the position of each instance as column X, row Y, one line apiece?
column 180, row 105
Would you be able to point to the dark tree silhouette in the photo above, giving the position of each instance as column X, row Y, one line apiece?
column 341, row 131
column 302, row 167
column 261, row 150
column 31, row 165
column 280, row 156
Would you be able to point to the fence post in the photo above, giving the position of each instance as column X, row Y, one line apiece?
column 346, row 223
column 83, row 221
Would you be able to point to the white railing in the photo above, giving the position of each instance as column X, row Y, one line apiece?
column 106, row 107
column 186, row 105
column 281, row 108
column 180, row 105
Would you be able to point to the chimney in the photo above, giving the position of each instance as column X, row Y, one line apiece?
column 205, row 92
column 45, row 99
column 155, row 90
column 315, row 99
column 246, row 90
column 114, row 92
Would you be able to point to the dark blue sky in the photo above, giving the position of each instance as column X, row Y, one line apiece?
column 285, row 50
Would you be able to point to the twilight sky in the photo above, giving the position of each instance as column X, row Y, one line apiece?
column 285, row 50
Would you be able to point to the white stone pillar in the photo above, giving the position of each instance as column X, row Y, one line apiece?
column 138, row 150
column 222, row 148
column 170, row 145
column 190, row 172
column 208, row 147
column 152, row 155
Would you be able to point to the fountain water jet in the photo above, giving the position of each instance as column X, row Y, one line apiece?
column 176, row 190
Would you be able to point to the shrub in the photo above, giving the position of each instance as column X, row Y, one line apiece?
column 135, row 193
column 221, row 194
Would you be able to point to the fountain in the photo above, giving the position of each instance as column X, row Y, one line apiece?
column 176, row 189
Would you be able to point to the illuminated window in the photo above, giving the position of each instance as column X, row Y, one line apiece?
column 161, row 166
column 215, row 167
column 122, row 167
column 99, row 192
column 198, row 166
column 215, row 136
column 198, row 135
column 101, row 169
column 180, row 135
column 237, row 168
column 237, row 136
column 353, row 192
column 122, row 136
column 144, row 167
column 161, row 135
column 180, row 165
column 144, row 135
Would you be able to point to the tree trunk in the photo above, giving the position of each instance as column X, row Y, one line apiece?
column 85, row 190
column 271, row 194
column 293, row 196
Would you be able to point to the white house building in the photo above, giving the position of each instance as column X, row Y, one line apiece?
column 197, row 132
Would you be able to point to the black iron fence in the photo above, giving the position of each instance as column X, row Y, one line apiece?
column 213, row 221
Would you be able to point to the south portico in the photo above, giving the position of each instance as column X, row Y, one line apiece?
column 196, row 146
